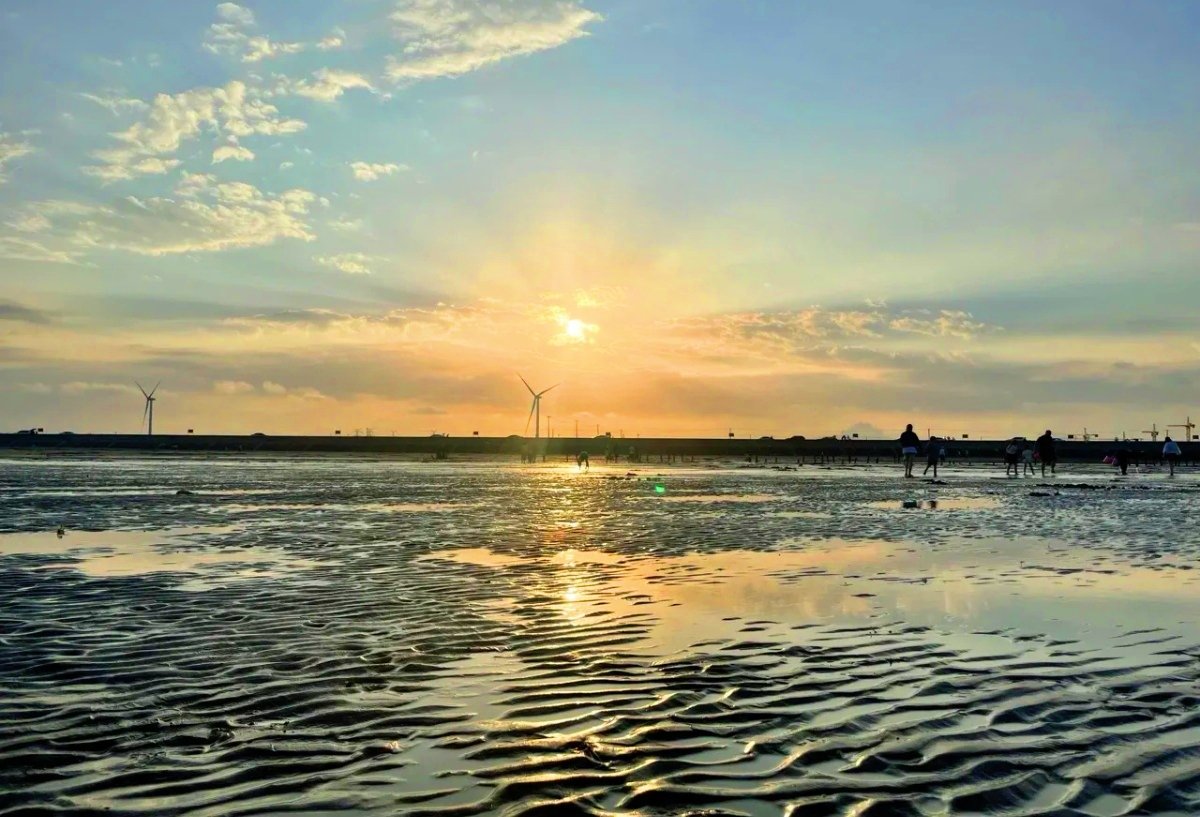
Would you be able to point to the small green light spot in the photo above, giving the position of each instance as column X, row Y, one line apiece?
column 660, row 488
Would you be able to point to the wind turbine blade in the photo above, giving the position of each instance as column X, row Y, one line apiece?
column 529, row 419
column 145, row 411
column 143, row 391
column 543, row 391
column 526, row 382
column 153, row 390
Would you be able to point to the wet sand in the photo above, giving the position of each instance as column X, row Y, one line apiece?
column 336, row 635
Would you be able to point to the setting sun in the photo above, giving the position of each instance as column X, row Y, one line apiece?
column 575, row 329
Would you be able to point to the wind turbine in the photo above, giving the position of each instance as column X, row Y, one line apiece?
column 149, row 412
column 536, row 409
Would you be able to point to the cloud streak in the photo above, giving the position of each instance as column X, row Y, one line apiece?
column 11, row 149
column 370, row 171
column 351, row 263
column 204, row 215
column 448, row 38
column 231, row 36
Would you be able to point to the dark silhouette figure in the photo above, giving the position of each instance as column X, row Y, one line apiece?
column 1124, row 455
column 1012, row 456
column 582, row 461
column 1046, row 452
column 909, row 444
column 933, row 451
column 1171, row 453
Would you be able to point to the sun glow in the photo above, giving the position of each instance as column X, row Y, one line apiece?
column 575, row 329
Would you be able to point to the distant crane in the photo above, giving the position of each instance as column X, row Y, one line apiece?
column 1086, row 436
column 149, row 410
column 1153, row 432
column 536, row 409
column 1187, row 426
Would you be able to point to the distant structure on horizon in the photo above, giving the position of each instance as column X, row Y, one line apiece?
column 536, row 409
column 148, row 413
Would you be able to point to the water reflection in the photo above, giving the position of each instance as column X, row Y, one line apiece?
column 965, row 585
column 133, row 553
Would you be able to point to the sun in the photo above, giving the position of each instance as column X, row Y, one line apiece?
column 575, row 329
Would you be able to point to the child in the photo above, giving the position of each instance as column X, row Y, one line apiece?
column 1027, row 458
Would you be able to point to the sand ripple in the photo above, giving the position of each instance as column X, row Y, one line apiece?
column 526, row 644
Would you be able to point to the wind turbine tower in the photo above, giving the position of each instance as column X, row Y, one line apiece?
column 148, row 413
column 535, row 411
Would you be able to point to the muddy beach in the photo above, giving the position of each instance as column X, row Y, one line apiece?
column 258, row 635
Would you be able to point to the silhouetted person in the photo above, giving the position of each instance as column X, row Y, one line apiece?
column 1124, row 455
column 1012, row 455
column 1171, row 453
column 909, row 443
column 1027, row 460
column 1046, row 452
column 931, row 457
column 583, row 462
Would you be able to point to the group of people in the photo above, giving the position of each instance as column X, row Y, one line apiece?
column 1122, row 457
column 1020, row 456
column 935, row 452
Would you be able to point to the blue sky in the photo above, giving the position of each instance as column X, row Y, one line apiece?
column 784, row 218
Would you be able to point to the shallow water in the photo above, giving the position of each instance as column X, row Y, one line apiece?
column 325, row 634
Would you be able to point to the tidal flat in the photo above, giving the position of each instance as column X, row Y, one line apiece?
column 257, row 635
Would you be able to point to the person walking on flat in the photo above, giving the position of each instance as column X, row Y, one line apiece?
column 931, row 456
column 1027, row 460
column 909, row 444
column 1012, row 456
column 1171, row 453
column 1046, row 452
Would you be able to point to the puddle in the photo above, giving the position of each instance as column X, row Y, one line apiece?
column 324, row 507
column 715, row 498
column 120, row 553
column 482, row 557
column 1026, row 585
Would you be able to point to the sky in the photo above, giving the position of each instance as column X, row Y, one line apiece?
column 696, row 216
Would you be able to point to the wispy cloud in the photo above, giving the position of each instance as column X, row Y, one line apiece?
column 325, row 84
column 335, row 39
column 19, row 248
column 347, row 225
column 114, row 103
column 231, row 387
column 84, row 386
column 232, row 151
column 447, row 38
column 352, row 263
column 11, row 149
column 231, row 36
column 203, row 215
column 369, row 171
column 234, row 110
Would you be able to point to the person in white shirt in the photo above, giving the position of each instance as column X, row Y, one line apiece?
column 1171, row 453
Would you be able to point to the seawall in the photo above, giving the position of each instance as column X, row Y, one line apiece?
column 645, row 449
